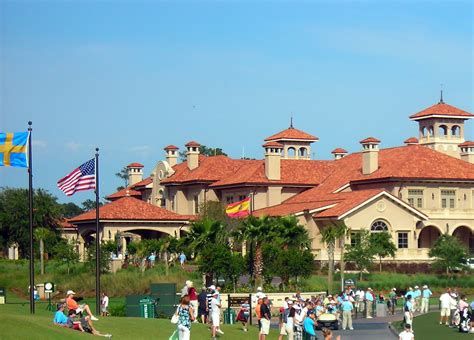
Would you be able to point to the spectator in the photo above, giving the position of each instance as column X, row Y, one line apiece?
column 453, row 308
column 369, row 300
column 258, row 313
column 417, row 299
column 193, row 298
column 151, row 260
column 182, row 259
column 290, row 325
column 73, row 305
column 308, row 325
column 59, row 318
column 347, row 308
column 266, row 317
column 407, row 333
column 392, row 298
column 210, row 292
column 185, row 317
column 425, row 299
column 84, row 324
column 244, row 314
column 185, row 289
column 104, row 304
column 327, row 333
column 203, row 309
column 445, row 305
column 298, row 322
column 215, row 314
column 408, row 310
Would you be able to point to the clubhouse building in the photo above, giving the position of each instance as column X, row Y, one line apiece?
column 416, row 191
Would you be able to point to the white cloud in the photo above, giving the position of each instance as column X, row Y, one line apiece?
column 73, row 146
column 39, row 143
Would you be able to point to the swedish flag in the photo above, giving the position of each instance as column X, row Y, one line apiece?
column 13, row 148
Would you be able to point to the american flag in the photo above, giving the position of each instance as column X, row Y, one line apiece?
column 82, row 178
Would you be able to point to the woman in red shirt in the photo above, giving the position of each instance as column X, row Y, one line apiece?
column 193, row 297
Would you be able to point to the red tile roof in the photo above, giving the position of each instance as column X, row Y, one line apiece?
column 292, row 208
column 193, row 143
column 338, row 150
column 442, row 109
column 171, row 147
column 272, row 145
column 292, row 133
column 143, row 183
column 135, row 165
column 467, row 143
column 124, row 193
column 369, row 140
column 129, row 208
column 66, row 225
column 411, row 140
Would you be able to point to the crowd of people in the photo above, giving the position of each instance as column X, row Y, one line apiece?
column 71, row 314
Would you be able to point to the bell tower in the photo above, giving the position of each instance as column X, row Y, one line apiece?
column 441, row 127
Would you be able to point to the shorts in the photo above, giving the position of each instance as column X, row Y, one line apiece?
column 445, row 312
column 265, row 326
column 216, row 319
column 75, row 326
column 283, row 329
column 202, row 311
column 408, row 318
column 103, row 309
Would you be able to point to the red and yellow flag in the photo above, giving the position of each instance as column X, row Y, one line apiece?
column 238, row 209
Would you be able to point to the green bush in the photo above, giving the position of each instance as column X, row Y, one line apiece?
column 117, row 310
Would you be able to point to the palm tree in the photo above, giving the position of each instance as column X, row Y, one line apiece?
column 291, row 233
column 330, row 235
column 41, row 234
column 203, row 232
column 257, row 230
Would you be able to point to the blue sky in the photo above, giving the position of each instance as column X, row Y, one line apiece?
column 133, row 77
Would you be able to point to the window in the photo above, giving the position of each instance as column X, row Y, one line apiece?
column 230, row 199
column 448, row 199
column 196, row 204
column 402, row 240
column 242, row 197
column 172, row 200
column 355, row 238
column 379, row 226
column 415, row 198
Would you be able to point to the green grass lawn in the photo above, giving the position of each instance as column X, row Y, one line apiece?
column 17, row 323
column 427, row 327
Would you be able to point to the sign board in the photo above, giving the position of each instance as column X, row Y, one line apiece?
column 349, row 282
column 237, row 301
column 2, row 295
column 48, row 287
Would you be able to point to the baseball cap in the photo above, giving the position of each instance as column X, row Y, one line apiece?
column 425, row 286
column 212, row 287
column 69, row 292
column 290, row 302
column 259, row 289
column 416, row 287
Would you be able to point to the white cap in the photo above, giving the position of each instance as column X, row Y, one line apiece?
column 416, row 287
column 290, row 302
column 69, row 292
column 212, row 287
column 425, row 286
column 369, row 288
column 259, row 289
column 394, row 289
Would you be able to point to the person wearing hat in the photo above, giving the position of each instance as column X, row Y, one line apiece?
column 193, row 297
column 408, row 310
column 59, row 318
column 417, row 299
column 308, row 325
column 425, row 299
column 392, row 298
column 369, row 301
column 266, row 318
column 216, row 314
column 185, row 289
column 73, row 305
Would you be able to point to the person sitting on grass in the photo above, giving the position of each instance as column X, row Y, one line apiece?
column 59, row 318
column 84, row 324
column 73, row 305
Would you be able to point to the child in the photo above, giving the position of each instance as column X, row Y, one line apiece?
column 104, row 304
column 83, row 325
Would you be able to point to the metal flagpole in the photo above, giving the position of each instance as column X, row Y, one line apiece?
column 97, row 235
column 30, row 203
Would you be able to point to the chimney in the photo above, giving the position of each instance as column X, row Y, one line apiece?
column 370, row 155
column 411, row 141
column 339, row 153
column 272, row 160
column 135, row 173
column 467, row 151
column 192, row 154
column 171, row 155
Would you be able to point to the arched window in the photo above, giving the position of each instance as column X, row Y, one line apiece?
column 456, row 130
column 291, row 152
column 379, row 226
column 443, row 130
column 303, row 152
column 430, row 131
column 423, row 131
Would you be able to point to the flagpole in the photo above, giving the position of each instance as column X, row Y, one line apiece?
column 30, row 204
column 97, row 235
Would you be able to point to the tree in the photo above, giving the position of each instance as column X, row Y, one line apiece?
column 89, row 205
column 382, row 246
column 330, row 235
column 71, row 209
column 123, row 175
column 105, row 258
column 66, row 251
column 204, row 150
column 14, row 216
column 361, row 253
column 448, row 252
column 41, row 234
column 203, row 232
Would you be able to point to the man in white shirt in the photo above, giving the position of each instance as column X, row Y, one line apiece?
column 407, row 334
column 360, row 300
column 215, row 314
column 445, row 312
